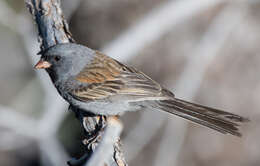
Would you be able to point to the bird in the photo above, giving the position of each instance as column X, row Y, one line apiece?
column 100, row 85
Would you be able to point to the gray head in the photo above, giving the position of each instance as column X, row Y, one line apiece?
column 65, row 60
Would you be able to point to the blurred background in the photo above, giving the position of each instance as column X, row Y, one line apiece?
column 205, row 51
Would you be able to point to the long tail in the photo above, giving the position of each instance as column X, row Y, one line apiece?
column 218, row 120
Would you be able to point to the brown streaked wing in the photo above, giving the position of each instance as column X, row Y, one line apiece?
column 101, row 69
column 106, row 77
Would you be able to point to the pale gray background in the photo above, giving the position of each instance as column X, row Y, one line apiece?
column 206, row 51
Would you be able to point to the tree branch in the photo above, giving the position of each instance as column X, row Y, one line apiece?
column 105, row 148
column 53, row 29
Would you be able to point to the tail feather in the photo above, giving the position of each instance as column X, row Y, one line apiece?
column 233, row 118
column 218, row 120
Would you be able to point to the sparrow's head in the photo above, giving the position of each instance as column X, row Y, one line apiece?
column 64, row 60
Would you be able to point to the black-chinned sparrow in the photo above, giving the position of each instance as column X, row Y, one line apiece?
column 98, row 84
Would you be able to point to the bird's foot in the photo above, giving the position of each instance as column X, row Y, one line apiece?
column 92, row 140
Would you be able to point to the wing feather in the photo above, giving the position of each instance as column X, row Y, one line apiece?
column 106, row 77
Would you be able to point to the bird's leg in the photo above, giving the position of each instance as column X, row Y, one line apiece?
column 93, row 130
column 93, row 126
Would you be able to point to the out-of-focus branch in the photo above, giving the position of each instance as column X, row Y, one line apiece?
column 53, row 29
column 158, row 22
column 9, row 118
column 69, row 7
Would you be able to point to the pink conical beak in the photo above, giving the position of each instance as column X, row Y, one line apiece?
column 42, row 64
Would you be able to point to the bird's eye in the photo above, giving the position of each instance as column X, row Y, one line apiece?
column 57, row 58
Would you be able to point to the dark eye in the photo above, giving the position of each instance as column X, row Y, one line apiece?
column 57, row 58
